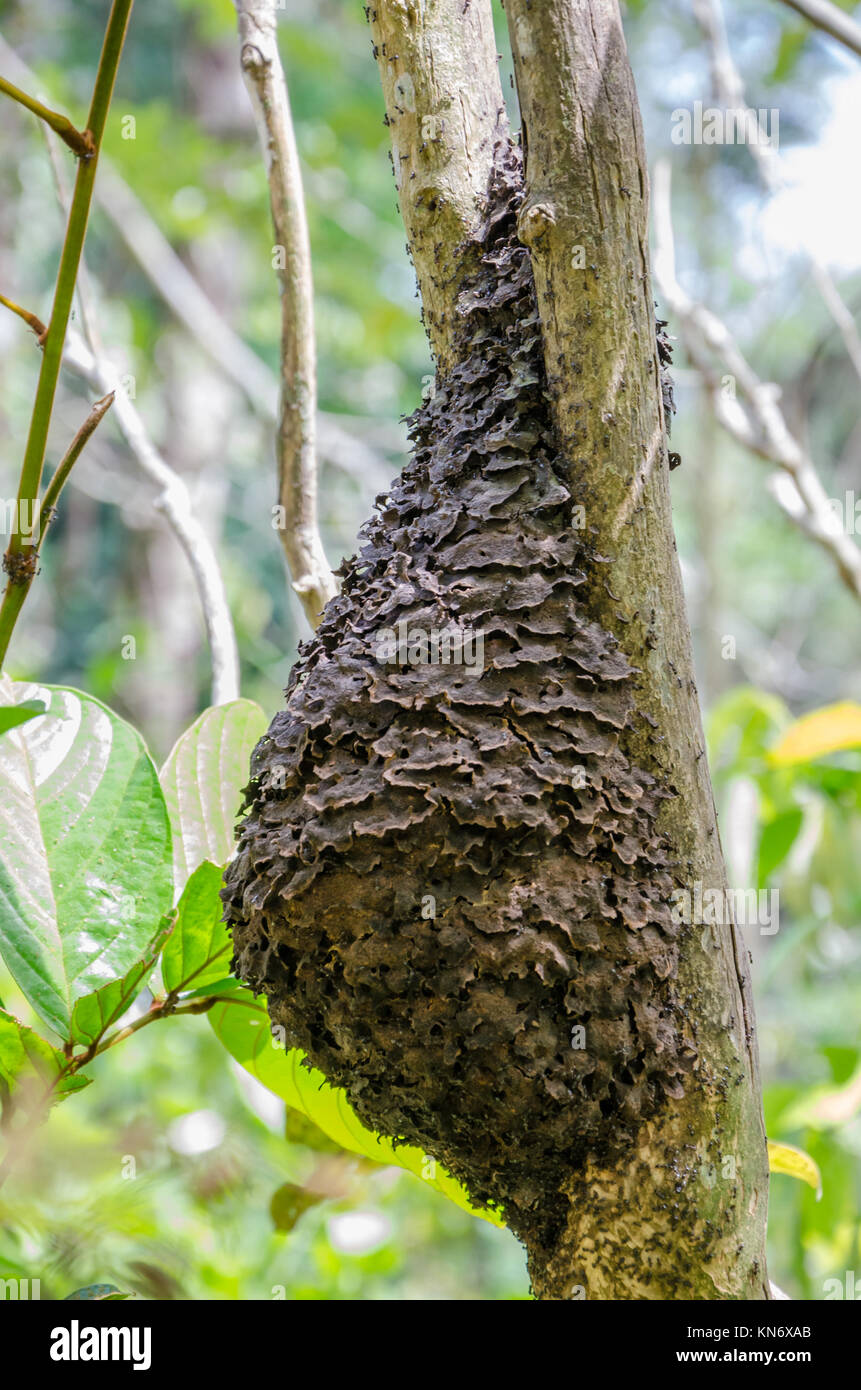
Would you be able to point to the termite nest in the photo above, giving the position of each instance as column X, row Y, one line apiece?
column 503, row 793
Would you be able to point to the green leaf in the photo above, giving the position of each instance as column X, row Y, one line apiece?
column 93, row 1015
column 199, row 951
column 30, row 1061
column 786, row 1158
column 740, row 726
column 85, row 851
column 242, row 1024
column 203, row 780
column 13, row 715
column 777, row 838
column 826, row 730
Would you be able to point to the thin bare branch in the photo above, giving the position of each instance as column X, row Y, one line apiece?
column 759, row 423
column 31, row 320
column 175, row 505
column 729, row 87
column 297, row 458
column 830, row 19
column 841, row 314
column 729, row 90
column 61, row 475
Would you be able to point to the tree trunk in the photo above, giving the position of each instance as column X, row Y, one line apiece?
column 553, row 1029
column 652, row 1228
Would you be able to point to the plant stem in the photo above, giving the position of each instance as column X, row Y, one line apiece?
column 164, row 1008
column 80, row 142
column 67, row 463
column 76, row 228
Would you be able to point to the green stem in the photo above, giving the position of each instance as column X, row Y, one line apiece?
column 74, row 138
column 73, row 244
column 164, row 1008
column 67, row 463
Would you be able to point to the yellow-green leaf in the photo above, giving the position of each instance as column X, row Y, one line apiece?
column 786, row 1158
column 198, row 953
column 825, row 730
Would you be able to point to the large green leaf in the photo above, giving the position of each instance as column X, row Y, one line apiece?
column 31, row 1062
column 203, row 778
column 93, row 1015
column 242, row 1024
column 85, row 853
column 198, row 953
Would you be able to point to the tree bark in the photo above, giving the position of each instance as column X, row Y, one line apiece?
column 683, row 1216
column 446, row 118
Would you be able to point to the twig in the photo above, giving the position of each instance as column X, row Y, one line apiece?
column 841, row 314
column 80, row 142
column 49, row 502
column 23, row 568
column 728, row 85
column 175, row 505
column 761, row 427
column 16, row 562
column 297, row 462
column 31, row 320
column 830, row 19
column 729, row 89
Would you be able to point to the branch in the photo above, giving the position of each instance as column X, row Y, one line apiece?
column 73, row 244
column 58, row 482
column 729, row 87
column 297, row 459
column 761, row 427
column 23, row 567
column 830, row 19
column 729, row 90
column 31, row 320
column 82, row 144
column 175, row 505
column 446, row 118
column 840, row 312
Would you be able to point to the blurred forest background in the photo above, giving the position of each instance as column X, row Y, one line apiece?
column 188, row 193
